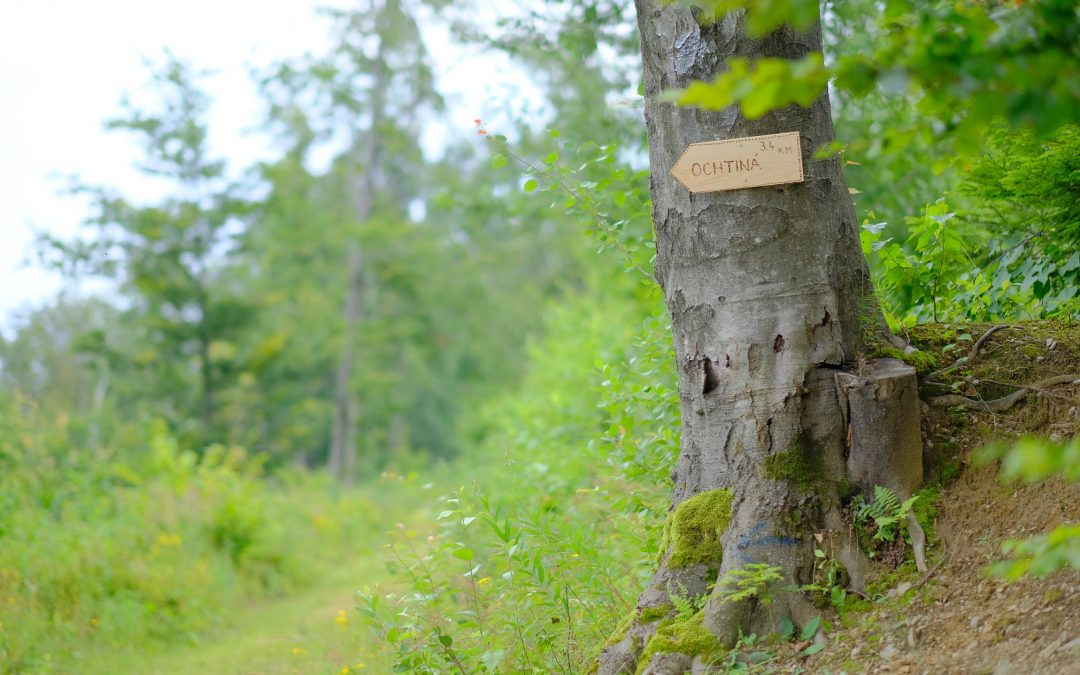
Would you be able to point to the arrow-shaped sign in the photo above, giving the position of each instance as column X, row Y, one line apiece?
column 739, row 163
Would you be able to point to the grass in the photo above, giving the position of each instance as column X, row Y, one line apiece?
column 314, row 632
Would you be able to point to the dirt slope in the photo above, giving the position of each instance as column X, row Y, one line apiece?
column 956, row 619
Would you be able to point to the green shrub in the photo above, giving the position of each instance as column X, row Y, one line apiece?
column 1014, row 252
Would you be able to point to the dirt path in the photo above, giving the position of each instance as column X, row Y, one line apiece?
column 315, row 631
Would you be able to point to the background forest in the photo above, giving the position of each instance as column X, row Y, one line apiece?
column 444, row 376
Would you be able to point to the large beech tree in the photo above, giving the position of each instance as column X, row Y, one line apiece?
column 770, row 299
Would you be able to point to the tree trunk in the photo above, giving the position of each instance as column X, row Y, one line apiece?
column 343, row 433
column 206, row 372
column 360, row 284
column 769, row 295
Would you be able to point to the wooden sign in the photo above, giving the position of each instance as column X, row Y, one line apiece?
column 739, row 163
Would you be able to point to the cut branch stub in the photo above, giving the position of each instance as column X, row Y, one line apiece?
column 881, row 408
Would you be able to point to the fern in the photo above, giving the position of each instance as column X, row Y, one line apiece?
column 686, row 605
column 886, row 512
column 751, row 580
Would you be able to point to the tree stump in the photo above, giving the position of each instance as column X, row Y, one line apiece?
column 881, row 408
column 880, row 404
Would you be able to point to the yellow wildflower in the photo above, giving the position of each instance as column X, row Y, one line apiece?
column 166, row 539
column 483, row 581
column 341, row 618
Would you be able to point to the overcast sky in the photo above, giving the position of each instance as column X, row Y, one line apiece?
column 65, row 63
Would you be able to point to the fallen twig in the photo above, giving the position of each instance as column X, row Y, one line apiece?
column 929, row 575
column 1005, row 402
column 972, row 354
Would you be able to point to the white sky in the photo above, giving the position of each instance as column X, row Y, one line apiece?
column 65, row 63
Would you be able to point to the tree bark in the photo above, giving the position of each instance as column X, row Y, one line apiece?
column 769, row 295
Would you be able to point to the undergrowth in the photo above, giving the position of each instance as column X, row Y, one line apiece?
column 533, row 562
column 104, row 549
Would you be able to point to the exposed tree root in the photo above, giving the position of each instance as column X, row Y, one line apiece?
column 848, row 552
column 727, row 620
column 979, row 343
column 918, row 541
column 1005, row 402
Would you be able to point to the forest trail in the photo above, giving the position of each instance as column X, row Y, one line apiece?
column 312, row 631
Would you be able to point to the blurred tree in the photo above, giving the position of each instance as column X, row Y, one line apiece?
column 165, row 255
column 379, row 84
column 376, row 85
column 454, row 257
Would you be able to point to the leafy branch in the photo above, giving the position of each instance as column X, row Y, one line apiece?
column 555, row 176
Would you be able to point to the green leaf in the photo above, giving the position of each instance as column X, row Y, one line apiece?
column 810, row 629
column 498, row 161
column 530, row 185
column 464, row 553
column 787, row 628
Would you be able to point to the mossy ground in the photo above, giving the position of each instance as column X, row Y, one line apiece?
column 923, row 362
column 1019, row 354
